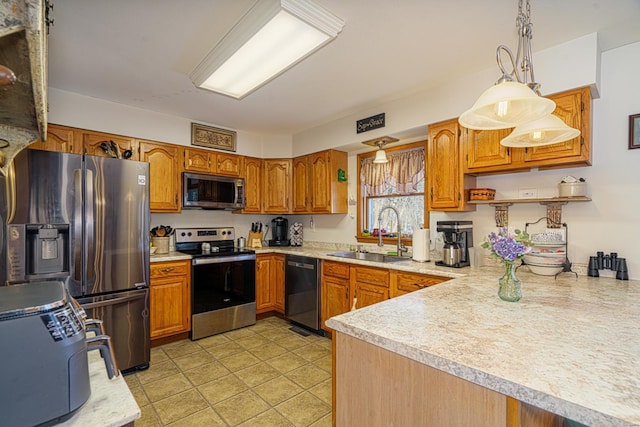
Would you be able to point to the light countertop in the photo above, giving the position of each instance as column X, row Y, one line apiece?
column 111, row 404
column 570, row 346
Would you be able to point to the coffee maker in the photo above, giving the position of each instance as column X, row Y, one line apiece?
column 279, row 230
column 458, row 238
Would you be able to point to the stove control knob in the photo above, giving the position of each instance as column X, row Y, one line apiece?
column 189, row 234
column 183, row 234
column 224, row 232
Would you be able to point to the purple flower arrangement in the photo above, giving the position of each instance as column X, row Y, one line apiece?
column 507, row 246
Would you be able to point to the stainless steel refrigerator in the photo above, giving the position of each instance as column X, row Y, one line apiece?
column 83, row 220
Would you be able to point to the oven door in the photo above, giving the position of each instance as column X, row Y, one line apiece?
column 223, row 293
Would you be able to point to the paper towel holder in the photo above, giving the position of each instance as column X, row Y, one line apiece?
column 421, row 249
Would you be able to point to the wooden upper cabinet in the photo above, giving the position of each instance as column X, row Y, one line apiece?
column 196, row 160
column 164, row 175
column 228, row 164
column 447, row 184
column 483, row 149
column 252, row 185
column 276, row 185
column 574, row 108
column 60, row 139
column 91, row 142
column 301, row 184
column 316, row 188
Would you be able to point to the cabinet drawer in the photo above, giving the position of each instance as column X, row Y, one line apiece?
column 164, row 269
column 335, row 269
column 414, row 282
column 373, row 276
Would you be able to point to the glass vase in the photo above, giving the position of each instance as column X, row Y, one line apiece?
column 509, row 284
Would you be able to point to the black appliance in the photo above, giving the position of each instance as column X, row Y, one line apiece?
column 223, row 285
column 212, row 192
column 458, row 238
column 83, row 220
column 279, row 231
column 302, row 292
column 44, row 369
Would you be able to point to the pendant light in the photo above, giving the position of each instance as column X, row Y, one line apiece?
column 515, row 100
column 381, row 155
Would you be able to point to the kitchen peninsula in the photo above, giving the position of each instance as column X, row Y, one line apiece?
column 455, row 354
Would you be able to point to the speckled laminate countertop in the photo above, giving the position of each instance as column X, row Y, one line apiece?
column 111, row 404
column 570, row 346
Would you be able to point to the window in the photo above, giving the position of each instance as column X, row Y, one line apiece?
column 399, row 183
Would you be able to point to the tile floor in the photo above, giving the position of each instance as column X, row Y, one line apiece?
column 262, row 375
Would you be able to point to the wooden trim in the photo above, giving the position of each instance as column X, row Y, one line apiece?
column 166, row 340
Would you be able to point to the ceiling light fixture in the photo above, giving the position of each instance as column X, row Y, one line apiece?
column 515, row 100
column 381, row 156
column 269, row 39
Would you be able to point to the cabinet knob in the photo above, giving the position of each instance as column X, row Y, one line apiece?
column 168, row 270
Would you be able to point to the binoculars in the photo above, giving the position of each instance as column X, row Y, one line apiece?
column 608, row 262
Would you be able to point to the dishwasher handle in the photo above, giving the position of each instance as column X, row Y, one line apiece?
column 301, row 265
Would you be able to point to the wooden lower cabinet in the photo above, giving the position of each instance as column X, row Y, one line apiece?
column 369, row 285
column 369, row 382
column 269, row 283
column 404, row 283
column 170, row 298
column 335, row 290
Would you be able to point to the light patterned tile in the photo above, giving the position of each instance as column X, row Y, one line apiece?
column 311, row 352
column 148, row 418
column 253, row 342
column 303, row 409
column 308, row 375
column 158, row 355
column 271, row 418
column 219, row 390
column 323, row 391
column 276, row 334
column 277, row 390
column 268, row 351
column 239, row 333
column 181, row 348
column 239, row 361
column 213, row 340
column 205, row 418
column 241, row 407
column 165, row 387
column 179, row 406
column 325, row 363
column 287, row 362
column 193, row 360
column 325, row 421
column 205, row 373
column 257, row 374
column 157, row 371
column 221, row 351
column 291, row 342
column 139, row 396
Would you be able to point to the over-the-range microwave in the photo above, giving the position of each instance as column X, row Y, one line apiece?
column 212, row 192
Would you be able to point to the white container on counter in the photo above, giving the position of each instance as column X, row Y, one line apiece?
column 572, row 189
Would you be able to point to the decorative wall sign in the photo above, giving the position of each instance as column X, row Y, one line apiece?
column 370, row 123
column 210, row 137
column 634, row 131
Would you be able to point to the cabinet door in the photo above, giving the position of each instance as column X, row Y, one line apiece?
column 404, row 283
column 265, row 293
column 60, row 139
column 170, row 298
column 252, row 185
column 366, row 294
column 335, row 297
column 228, row 164
column 91, row 142
column 301, row 184
column 277, row 281
column 320, row 182
column 573, row 108
column 483, row 148
column 198, row 160
column 164, row 177
column 277, row 185
column 444, row 181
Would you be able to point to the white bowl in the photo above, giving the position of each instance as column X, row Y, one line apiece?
column 544, row 270
column 544, row 260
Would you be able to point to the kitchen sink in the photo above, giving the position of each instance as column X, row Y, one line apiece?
column 368, row 256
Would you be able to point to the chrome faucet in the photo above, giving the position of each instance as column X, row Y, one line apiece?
column 401, row 248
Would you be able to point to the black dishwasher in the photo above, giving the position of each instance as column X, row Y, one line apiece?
column 302, row 292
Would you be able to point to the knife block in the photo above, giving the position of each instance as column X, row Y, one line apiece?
column 255, row 239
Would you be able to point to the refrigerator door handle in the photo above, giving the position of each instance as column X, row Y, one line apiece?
column 112, row 301
column 90, row 227
column 77, row 225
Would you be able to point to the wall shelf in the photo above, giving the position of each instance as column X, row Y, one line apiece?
column 553, row 204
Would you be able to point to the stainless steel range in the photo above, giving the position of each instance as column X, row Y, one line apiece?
column 223, row 290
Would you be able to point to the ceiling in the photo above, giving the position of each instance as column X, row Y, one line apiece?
column 140, row 53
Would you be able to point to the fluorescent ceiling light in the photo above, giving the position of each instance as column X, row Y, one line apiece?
column 272, row 37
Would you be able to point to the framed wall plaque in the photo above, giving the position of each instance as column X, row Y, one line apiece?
column 211, row 137
column 634, row 131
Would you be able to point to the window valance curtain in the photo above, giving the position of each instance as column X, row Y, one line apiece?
column 403, row 171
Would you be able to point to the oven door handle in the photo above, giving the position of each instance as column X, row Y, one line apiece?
column 222, row 259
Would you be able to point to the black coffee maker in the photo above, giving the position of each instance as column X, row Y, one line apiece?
column 279, row 231
column 458, row 238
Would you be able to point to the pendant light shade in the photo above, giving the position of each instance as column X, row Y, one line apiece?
column 506, row 105
column 381, row 157
column 546, row 131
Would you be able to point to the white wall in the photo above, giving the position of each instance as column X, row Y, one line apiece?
column 611, row 222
